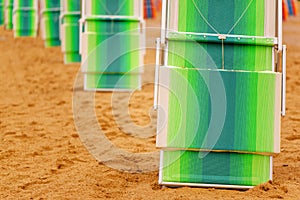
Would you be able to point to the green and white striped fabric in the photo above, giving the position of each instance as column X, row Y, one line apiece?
column 70, row 16
column 111, row 55
column 9, row 6
column 235, row 17
column 71, row 5
column 111, row 7
column 2, row 10
column 25, row 18
column 220, row 110
column 218, row 95
column 247, row 28
column 110, row 47
column 208, row 52
column 112, row 82
column 215, row 169
column 50, row 13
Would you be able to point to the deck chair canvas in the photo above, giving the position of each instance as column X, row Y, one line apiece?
column 8, row 19
column 219, row 92
column 50, row 13
column 2, row 11
column 69, row 30
column 111, row 37
column 25, row 18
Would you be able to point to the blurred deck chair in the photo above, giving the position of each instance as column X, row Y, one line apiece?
column 25, row 18
column 50, row 13
column 69, row 30
column 149, row 9
column 111, row 36
column 2, row 11
column 8, row 18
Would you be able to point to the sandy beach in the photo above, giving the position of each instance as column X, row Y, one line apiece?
column 42, row 155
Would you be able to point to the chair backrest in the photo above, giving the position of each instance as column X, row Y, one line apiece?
column 234, row 34
column 130, row 8
column 238, row 17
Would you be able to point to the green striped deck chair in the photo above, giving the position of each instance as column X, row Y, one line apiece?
column 218, row 93
column 69, row 27
column 25, row 18
column 2, row 10
column 8, row 19
column 50, row 13
column 110, row 44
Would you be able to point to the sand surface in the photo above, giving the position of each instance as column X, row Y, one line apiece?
column 42, row 155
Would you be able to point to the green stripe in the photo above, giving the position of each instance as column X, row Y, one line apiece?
column 245, row 109
column 172, row 166
column 197, row 83
column 222, row 170
column 265, row 97
column 226, row 140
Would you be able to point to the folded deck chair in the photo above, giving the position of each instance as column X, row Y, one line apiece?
column 219, row 92
column 50, row 13
column 2, row 11
column 25, row 18
column 69, row 27
column 111, row 38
